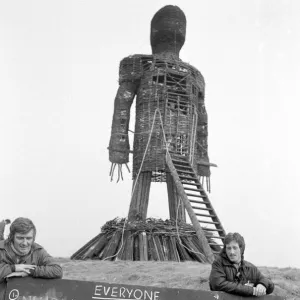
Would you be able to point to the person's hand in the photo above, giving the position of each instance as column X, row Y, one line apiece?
column 17, row 274
column 24, row 268
column 259, row 290
column 249, row 284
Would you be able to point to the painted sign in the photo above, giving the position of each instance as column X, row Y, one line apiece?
column 62, row 289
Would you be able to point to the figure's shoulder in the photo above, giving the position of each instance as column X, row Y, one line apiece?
column 132, row 67
column 195, row 73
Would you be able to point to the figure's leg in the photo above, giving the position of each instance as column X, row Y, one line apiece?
column 174, row 199
column 140, row 198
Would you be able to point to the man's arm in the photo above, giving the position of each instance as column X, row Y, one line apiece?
column 47, row 267
column 219, row 282
column 267, row 283
column 5, row 269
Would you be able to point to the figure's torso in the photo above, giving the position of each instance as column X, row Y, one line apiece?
column 177, row 90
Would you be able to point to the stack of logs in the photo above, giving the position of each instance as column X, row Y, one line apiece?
column 152, row 239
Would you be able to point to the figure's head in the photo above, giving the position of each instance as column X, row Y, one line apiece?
column 168, row 30
column 22, row 235
column 7, row 221
column 234, row 246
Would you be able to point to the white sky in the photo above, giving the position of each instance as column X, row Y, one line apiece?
column 58, row 78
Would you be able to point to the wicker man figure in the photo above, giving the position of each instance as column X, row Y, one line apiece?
column 170, row 114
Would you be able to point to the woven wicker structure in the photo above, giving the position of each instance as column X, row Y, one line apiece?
column 177, row 90
column 170, row 112
column 170, row 145
column 161, row 81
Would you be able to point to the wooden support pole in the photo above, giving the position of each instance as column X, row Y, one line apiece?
column 200, row 233
column 174, row 199
column 140, row 198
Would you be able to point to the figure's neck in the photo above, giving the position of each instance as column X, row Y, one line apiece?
column 169, row 55
column 166, row 50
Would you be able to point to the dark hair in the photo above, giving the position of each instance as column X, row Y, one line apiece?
column 7, row 221
column 237, row 238
column 21, row 225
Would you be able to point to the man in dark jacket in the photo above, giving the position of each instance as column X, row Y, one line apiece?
column 2, row 228
column 232, row 274
column 20, row 256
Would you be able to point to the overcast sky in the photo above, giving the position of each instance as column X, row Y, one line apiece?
column 58, row 78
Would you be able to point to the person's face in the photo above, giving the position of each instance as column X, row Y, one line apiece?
column 233, row 252
column 23, row 241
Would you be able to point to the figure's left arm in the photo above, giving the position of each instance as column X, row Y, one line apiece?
column 47, row 267
column 201, row 141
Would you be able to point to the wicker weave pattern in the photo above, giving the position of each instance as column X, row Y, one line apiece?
column 177, row 89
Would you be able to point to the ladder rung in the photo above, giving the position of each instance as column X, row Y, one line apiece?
column 188, row 178
column 197, row 196
column 183, row 167
column 176, row 155
column 207, row 216
column 185, row 172
column 194, row 190
column 191, row 183
column 200, row 202
column 202, row 208
column 209, row 222
column 217, row 237
column 210, row 229
column 177, row 162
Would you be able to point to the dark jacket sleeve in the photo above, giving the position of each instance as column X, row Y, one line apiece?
column 47, row 267
column 267, row 283
column 5, row 269
column 219, row 282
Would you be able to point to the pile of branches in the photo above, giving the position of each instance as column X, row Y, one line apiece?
column 152, row 239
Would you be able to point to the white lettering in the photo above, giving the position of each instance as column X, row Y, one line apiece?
column 98, row 289
column 156, row 296
column 13, row 294
column 114, row 292
column 129, row 293
column 147, row 294
column 106, row 291
column 141, row 294
column 122, row 291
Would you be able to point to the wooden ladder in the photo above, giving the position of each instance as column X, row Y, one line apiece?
column 190, row 188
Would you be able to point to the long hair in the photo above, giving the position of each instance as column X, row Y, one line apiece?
column 236, row 237
column 21, row 225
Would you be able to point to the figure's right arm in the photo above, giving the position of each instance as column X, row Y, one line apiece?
column 219, row 282
column 129, row 78
column 119, row 142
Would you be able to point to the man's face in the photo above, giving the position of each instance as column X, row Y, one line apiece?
column 233, row 252
column 23, row 241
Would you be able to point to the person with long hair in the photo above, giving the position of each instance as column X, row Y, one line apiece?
column 232, row 274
